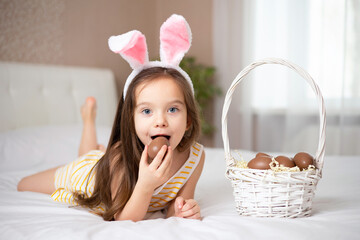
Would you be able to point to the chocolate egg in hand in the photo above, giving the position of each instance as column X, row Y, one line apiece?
column 303, row 160
column 285, row 161
column 261, row 162
column 155, row 146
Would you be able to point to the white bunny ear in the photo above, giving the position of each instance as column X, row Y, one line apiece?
column 175, row 39
column 132, row 47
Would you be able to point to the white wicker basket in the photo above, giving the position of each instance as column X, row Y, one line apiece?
column 265, row 193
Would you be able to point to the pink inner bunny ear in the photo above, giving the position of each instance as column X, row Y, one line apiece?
column 132, row 47
column 175, row 39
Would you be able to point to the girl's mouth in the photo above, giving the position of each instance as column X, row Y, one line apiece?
column 166, row 136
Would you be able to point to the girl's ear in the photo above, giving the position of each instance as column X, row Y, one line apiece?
column 132, row 47
column 175, row 39
column 188, row 124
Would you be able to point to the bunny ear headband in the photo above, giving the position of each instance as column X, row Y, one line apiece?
column 175, row 41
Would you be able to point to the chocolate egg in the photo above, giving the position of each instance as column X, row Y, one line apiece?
column 155, row 146
column 285, row 161
column 262, row 154
column 260, row 162
column 303, row 160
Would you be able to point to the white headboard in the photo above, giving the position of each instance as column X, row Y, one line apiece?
column 34, row 95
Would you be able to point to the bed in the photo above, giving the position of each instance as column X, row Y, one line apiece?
column 40, row 128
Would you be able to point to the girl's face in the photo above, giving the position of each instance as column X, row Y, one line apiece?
column 160, row 111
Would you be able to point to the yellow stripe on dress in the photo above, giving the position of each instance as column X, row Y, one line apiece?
column 61, row 195
column 86, row 164
column 180, row 177
column 81, row 176
column 168, row 192
column 171, row 188
column 58, row 194
column 171, row 197
column 175, row 183
column 86, row 177
column 91, row 184
column 66, row 197
column 196, row 148
column 66, row 173
column 62, row 181
column 55, row 193
column 155, row 204
column 161, row 199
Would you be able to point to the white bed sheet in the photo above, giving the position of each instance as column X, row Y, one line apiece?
column 26, row 215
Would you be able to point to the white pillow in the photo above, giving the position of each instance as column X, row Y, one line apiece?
column 43, row 147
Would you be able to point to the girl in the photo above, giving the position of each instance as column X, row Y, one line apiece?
column 158, row 100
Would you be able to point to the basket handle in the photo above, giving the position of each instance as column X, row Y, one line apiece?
column 319, row 158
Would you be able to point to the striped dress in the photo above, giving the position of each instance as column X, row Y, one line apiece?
column 78, row 176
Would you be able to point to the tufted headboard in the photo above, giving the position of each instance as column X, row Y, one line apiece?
column 34, row 95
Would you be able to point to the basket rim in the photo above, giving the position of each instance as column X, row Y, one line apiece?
column 261, row 177
column 319, row 156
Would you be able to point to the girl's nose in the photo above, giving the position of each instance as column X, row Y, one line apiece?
column 161, row 121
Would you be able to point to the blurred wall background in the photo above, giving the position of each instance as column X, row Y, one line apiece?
column 75, row 32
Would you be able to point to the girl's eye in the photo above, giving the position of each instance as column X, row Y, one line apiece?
column 146, row 111
column 173, row 109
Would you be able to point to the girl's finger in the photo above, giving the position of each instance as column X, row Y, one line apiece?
column 179, row 202
column 164, row 166
column 192, row 213
column 190, row 203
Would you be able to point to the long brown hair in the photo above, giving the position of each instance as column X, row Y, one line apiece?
column 124, row 149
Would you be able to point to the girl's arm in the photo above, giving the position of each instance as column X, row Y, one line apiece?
column 185, row 205
column 150, row 176
column 137, row 206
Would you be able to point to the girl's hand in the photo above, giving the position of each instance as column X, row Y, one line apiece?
column 187, row 208
column 158, row 171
